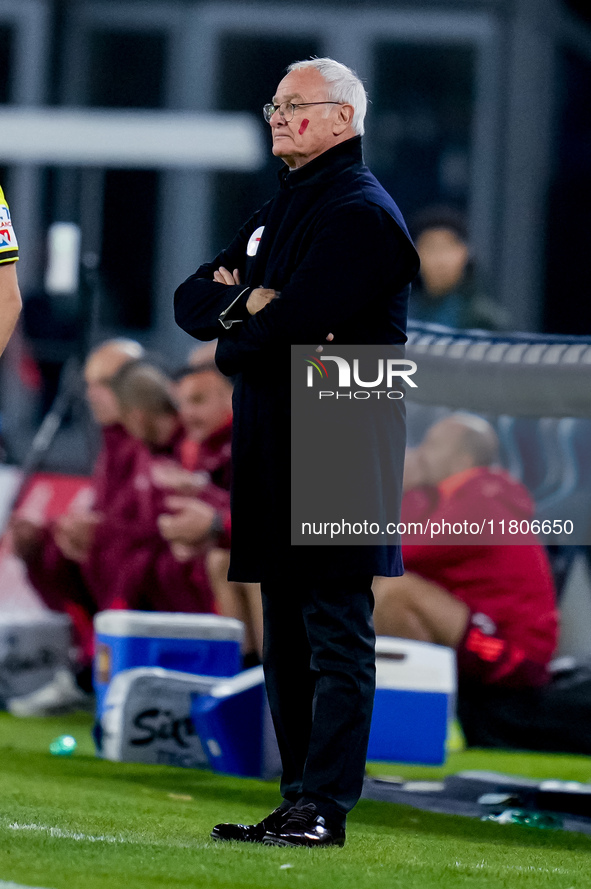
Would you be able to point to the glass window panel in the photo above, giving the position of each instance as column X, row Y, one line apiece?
column 568, row 229
column 419, row 122
column 6, row 54
column 128, row 247
column 126, row 69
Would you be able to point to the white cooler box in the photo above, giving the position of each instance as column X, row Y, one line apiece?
column 203, row 644
column 415, row 691
column 234, row 724
column 33, row 645
column 147, row 718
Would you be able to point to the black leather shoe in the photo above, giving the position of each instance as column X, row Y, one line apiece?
column 304, row 826
column 252, row 833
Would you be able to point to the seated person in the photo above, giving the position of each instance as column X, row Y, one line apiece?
column 448, row 290
column 493, row 602
column 56, row 556
column 204, row 398
column 139, row 568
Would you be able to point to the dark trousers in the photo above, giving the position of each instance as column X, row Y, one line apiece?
column 319, row 661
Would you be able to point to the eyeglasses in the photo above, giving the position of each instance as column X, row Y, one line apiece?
column 287, row 109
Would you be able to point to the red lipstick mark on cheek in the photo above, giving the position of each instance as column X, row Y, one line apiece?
column 304, row 126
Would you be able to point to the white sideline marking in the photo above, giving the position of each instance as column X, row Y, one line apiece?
column 101, row 838
column 4, row 885
column 527, row 869
column 70, row 834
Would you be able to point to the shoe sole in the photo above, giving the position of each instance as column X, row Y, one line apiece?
column 277, row 841
column 219, row 839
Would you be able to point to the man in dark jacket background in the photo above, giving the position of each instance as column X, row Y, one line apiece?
column 329, row 257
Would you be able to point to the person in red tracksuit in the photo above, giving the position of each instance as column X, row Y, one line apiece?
column 57, row 555
column 138, row 567
column 491, row 597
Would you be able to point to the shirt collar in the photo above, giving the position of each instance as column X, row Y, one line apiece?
column 331, row 162
column 450, row 485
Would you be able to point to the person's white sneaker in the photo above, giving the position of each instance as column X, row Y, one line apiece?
column 61, row 695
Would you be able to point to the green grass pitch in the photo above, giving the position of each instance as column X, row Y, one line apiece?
column 81, row 823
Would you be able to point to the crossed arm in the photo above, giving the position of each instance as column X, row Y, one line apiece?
column 351, row 262
column 258, row 299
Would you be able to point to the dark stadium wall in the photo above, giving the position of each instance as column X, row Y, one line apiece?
column 568, row 234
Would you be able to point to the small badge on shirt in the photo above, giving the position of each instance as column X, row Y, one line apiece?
column 7, row 235
column 254, row 241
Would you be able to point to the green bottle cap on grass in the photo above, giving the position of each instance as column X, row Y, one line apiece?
column 63, row 746
column 527, row 818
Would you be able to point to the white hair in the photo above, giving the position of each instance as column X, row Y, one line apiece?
column 343, row 86
column 131, row 348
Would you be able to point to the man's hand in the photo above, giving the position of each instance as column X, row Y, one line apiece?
column 74, row 534
column 223, row 276
column 168, row 475
column 329, row 339
column 259, row 298
column 191, row 523
column 184, row 553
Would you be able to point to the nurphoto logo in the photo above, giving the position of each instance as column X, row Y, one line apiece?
column 389, row 371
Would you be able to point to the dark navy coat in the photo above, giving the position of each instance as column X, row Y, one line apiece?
column 335, row 245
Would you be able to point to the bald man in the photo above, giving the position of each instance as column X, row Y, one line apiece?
column 101, row 366
column 59, row 556
column 493, row 602
column 72, row 532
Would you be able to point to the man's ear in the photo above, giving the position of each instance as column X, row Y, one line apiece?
column 344, row 119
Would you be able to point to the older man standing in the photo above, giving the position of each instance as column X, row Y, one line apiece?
column 328, row 257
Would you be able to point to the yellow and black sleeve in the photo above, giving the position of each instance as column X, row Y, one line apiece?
column 8, row 242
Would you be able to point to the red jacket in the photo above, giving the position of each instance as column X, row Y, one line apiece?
column 64, row 585
column 59, row 580
column 512, row 584
column 130, row 565
column 144, row 574
column 213, row 456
